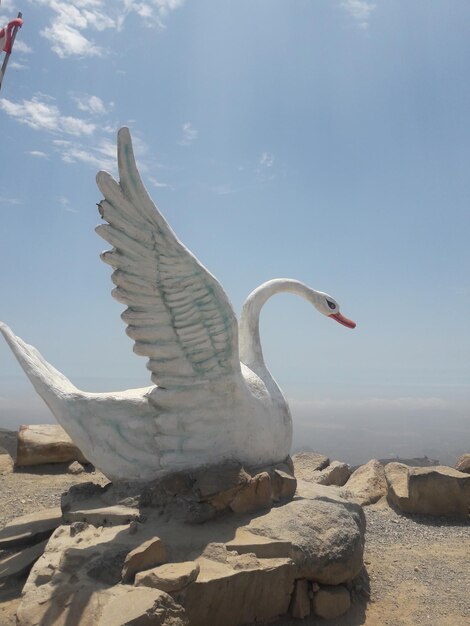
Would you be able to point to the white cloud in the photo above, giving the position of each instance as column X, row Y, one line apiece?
column 65, row 204
column 15, row 65
column 223, row 190
column 189, row 134
column 91, row 104
column 102, row 156
column 38, row 153
column 266, row 160
column 39, row 113
column 158, row 183
column 72, row 23
column 360, row 10
column 22, row 47
column 264, row 169
column 6, row 200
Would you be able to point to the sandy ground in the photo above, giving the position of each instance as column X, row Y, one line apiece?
column 417, row 570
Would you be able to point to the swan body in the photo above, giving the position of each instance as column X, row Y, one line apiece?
column 212, row 397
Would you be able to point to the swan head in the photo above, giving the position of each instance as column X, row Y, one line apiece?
column 329, row 307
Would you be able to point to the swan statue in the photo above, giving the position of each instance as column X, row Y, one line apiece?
column 213, row 398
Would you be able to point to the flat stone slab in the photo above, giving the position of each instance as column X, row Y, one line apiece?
column 246, row 542
column 21, row 562
column 101, row 515
column 169, row 577
column 30, row 528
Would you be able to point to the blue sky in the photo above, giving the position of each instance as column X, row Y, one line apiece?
column 327, row 141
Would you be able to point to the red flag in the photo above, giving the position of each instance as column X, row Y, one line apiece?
column 6, row 34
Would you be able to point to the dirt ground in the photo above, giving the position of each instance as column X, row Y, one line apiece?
column 416, row 569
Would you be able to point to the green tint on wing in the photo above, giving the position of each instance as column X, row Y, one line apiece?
column 178, row 314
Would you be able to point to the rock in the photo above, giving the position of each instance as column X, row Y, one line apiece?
column 300, row 606
column 314, row 467
column 284, row 485
column 45, row 443
column 306, row 463
column 30, row 528
column 107, row 568
column 6, row 463
column 193, row 497
column 436, row 490
column 141, row 607
column 463, row 464
column 149, row 554
column 169, row 577
column 77, row 527
column 337, row 473
column 208, row 483
column 246, row 542
column 228, row 596
column 331, row 602
column 22, row 561
column 75, row 468
column 325, row 531
column 102, row 516
column 83, row 605
column 257, row 494
column 367, row 483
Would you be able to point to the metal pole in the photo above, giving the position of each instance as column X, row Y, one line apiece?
column 7, row 54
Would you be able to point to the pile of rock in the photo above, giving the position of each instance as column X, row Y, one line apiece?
column 425, row 490
column 198, row 548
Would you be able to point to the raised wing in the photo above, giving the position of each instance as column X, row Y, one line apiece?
column 178, row 314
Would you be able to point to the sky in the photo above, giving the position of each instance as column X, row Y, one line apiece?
column 326, row 141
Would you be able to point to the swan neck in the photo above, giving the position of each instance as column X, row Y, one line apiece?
column 251, row 353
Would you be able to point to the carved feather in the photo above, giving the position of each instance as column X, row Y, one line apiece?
column 178, row 314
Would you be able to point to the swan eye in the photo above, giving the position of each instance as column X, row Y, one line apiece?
column 332, row 305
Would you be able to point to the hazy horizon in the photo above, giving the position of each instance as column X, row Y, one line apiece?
column 342, row 424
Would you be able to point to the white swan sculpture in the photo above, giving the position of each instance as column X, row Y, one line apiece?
column 214, row 398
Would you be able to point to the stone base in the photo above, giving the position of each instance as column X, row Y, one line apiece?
column 191, row 496
column 155, row 566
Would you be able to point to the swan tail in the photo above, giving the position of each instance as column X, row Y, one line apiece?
column 49, row 383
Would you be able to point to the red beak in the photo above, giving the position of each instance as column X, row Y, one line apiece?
column 343, row 320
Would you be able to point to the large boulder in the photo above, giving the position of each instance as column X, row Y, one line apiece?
column 326, row 533
column 45, row 443
column 367, row 483
column 439, row 490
